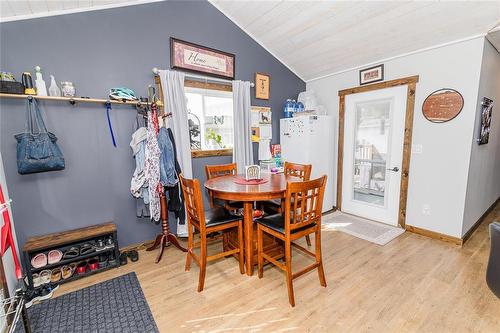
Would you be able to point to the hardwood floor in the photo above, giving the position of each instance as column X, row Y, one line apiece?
column 413, row 284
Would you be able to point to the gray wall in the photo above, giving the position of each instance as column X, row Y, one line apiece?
column 483, row 184
column 99, row 50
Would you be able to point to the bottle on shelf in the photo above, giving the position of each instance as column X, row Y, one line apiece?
column 288, row 108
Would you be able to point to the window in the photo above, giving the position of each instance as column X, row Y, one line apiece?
column 210, row 116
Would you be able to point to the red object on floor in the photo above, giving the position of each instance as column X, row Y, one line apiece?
column 243, row 181
column 7, row 238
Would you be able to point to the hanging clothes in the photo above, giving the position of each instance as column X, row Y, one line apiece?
column 168, row 174
column 175, row 196
column 138, row 184
column 152, row 165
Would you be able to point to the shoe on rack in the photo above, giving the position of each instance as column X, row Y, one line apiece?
column 100, row 245
column 109, row 243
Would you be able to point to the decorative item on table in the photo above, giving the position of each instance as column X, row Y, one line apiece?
column 442, row 105
column 54, row 89
column 9, row 85
column 252, row 172
column 37, row 150
column 486, row 112
column 267, row 165
column 68, row 89
column 262, row 85
column 372, row 74
column 41, row 88
column 201, row 59
column 122, row 94
column 27, row 81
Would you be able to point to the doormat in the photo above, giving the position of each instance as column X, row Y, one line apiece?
column 116, row 305
column 371, row 231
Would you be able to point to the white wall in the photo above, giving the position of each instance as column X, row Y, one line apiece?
column 483, row 185
column 438, row 175
column 7, row 260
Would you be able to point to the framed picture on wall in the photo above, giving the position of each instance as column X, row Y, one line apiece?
column 196, row 58
column 262, row 85
column 486, row 111
column 372, row 74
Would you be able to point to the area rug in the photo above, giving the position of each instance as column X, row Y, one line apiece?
column 371, row 231
column 116, row 305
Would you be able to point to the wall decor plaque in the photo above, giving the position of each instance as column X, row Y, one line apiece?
column 196, row 58
column 442, row 105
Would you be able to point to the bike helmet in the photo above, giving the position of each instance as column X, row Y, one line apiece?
column 122, row 94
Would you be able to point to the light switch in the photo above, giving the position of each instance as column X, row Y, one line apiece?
column 416, row 149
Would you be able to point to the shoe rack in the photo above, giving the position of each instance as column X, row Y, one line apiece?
column 63, row 241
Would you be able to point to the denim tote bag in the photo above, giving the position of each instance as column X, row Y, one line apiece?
column 37, row 150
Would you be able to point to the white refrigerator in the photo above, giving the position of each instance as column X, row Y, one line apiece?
column 310, row 140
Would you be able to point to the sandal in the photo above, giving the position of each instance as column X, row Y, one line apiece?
column 39, row 260
column 86, row 249
column 67, row 272
column 123, row 258
column 55, row 275
column 45, row 276
column 73, row 252
column 54, row 256
column 36, row 280
column 133, row 255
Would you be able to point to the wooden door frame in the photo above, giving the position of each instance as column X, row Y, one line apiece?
column 411, row 82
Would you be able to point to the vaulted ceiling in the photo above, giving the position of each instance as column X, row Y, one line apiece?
column 317, row 38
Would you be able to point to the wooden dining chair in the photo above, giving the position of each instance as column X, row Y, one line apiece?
column 216, row 219
column 213, row 171
column 298, row 221
column 302, row 171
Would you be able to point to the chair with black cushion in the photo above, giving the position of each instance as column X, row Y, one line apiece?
column 302, row 171
column 213, row 171
column 302, row 216
column 493, row 270
column 216, row 219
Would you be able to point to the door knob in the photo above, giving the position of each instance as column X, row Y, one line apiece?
column 395, row 169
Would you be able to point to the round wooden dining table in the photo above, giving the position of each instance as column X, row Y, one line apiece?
column 226, row 188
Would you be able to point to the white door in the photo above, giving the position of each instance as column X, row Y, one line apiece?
column 373, row 152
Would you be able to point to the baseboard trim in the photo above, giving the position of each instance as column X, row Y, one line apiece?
column 434, row 234
column 469, row 233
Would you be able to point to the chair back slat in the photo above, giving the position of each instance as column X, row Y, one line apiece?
column 304, row 203
column 214, row 171
column 193, row 201
column 303, row 171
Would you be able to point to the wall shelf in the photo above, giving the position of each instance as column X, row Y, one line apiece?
column 74, row 100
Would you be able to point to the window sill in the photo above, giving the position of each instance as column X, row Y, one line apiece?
column 208, row 153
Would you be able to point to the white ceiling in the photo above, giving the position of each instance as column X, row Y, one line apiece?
column 21, row 9
column 317, row 38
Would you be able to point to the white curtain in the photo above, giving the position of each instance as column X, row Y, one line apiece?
column 242, row 150
column 174, row 100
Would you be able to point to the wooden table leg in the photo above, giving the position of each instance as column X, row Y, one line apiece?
column 248, row 224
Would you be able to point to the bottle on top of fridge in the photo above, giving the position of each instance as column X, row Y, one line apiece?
column 288, row 109
column 300, row 107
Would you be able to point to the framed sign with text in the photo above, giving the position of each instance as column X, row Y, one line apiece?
column 262, row 85
column 195, row 58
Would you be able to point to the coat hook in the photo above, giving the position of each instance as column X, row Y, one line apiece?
column 72, row 101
